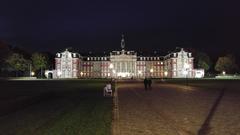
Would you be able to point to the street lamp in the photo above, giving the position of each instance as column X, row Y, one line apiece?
column 223, row 72
column 32, row 73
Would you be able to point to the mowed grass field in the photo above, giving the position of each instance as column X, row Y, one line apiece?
column 54, row 107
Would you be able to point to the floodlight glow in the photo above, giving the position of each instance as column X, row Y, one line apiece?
column 187, row 66
column 32, row 73
column 185, row 72
column 224, row 73
column 199, row 74
column 59, row 73
column 139, row 72
column 123, row 74
column 46, row 74
column 114, row 71
column 81, row 73
column 165, row 73
column 111, row 66
column 151, row 70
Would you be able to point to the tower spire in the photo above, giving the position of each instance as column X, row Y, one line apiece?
column 122, row 42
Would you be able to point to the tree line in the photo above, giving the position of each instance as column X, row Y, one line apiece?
column 17, row 62
column 226, row 63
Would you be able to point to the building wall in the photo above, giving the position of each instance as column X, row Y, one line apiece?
column 179, row 65
column 67, row 65
column 95, row 67
column 120, row 64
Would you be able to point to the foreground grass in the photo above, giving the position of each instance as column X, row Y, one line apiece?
column 87, row 118
column 73, row 107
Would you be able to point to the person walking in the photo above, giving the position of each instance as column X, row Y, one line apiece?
column 149, row 82
column 145, row 83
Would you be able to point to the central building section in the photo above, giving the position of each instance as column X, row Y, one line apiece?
column 123, row 64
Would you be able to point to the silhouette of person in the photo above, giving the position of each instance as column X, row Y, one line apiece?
column 145, row 83
column 149, row 82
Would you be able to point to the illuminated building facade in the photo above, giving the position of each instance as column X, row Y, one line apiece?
column 125, row 64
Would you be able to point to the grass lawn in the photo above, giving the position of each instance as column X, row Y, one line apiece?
column 55, row 107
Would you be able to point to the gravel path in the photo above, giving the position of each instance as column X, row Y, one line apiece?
column 167, row 109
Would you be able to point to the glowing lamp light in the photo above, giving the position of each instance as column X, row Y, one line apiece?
column 32, row 73
column 223, row 72
column 139, row 72
column 59, row 73
column 165, row 73
column 81, row 73
column 114, row 71
column 111, row 66
column 151, row 70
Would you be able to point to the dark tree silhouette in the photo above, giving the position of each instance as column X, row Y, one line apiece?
column 227, row 64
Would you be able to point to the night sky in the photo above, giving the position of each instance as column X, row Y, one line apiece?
column 51, row 25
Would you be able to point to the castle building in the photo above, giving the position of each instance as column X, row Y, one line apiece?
column 125, row 64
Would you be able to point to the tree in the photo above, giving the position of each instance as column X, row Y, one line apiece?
column 17, row 62
column 203, row 61
column 227, row 64
column 4, row 54
column 40, row 62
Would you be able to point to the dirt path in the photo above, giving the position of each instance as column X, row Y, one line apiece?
column 165, row 110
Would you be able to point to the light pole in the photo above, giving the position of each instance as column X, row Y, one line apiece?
column 111, row 69
column 30, row 70
column 185, row 72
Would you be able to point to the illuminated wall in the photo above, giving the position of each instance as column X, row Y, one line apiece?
column 125, row 64
column 67, row 65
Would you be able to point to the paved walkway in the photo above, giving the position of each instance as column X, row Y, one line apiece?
column 165, row 110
